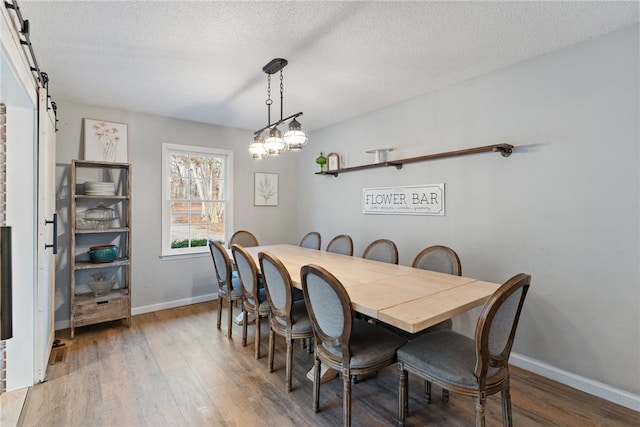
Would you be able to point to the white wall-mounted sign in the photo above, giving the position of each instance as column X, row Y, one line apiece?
column 404, row 200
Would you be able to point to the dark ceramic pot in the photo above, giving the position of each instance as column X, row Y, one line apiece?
column 103, row 253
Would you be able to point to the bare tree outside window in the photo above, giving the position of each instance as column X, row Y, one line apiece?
column 197, row 185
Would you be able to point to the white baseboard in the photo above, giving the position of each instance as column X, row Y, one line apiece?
column 173, row 304
column 595, row 388
column 65, row 324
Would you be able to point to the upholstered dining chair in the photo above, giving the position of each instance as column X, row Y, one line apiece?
column 382, row 250
column 470, row 366
column 344, row 343
column 254, row 299
column 341, row 244
column 243, row 238
column 443, row 260
column 289, row 318
column 438, row 258
column 229, row 289
column 311, row 240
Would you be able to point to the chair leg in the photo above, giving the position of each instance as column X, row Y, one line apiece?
column 245, row 318
column 289, row 362
column 402, row 394
column 316, row 384
column 445, row 395
column 229, row 319
column 506, row 406
column 480, row 403
column 272, row 339
column 310, row 345
column 219, row 311
column 346, row 397
column 427, row 391
column 257, row 340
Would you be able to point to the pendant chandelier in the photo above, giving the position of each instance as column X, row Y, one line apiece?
column 270, row 141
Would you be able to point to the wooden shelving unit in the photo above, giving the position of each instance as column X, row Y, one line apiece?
column 504, row 149
column 86, row 308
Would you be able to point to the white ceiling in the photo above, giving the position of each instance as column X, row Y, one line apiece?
column 202, row 61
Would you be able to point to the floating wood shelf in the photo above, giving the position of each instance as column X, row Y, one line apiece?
column 504, row 149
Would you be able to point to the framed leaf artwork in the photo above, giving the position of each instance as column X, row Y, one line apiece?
column 265, row 191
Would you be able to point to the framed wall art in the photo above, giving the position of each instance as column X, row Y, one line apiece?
column 333, row 162
column 265, row 191
column 105, row 141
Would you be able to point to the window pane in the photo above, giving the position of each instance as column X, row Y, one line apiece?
column 198, row 189
column 179, row 214
column 179, row 165
column 178, row 188
column 217, row 166
column 215, row 213
column 179, row 236
column 217, row 190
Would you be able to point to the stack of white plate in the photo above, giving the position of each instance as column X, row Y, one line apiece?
column 94, row 188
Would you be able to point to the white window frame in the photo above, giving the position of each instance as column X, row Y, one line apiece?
column 167, row 150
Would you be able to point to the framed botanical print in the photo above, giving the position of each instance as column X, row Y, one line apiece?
column 105, row 141
column 265, row 191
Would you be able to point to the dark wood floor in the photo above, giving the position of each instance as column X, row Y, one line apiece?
column 173, row 367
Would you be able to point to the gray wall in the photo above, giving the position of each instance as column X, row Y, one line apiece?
column 158, row 283
column 563, row 207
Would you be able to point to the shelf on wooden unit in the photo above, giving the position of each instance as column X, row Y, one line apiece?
column 87, row 265
column 504, row 149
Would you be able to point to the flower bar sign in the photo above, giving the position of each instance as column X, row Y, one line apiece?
column 405, row 200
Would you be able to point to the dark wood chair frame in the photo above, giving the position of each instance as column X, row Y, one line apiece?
column 322, row 355
column 285, row 312
column 224, row 283
column 250, row 295
column 484, row 359
column 338, row 238
column 387, row 242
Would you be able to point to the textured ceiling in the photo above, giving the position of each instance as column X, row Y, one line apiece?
column 202, row 61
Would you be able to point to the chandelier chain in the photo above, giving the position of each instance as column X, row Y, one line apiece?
column 281, row 93
column 269, row 101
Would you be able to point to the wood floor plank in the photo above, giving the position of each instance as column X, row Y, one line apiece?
column 174, row 368
column 11, row 406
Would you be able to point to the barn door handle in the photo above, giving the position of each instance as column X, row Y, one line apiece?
column 54, row 221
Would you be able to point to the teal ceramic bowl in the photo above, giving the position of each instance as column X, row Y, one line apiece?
column 103, row 253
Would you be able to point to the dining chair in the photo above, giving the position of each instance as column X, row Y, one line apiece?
column 289, row 318
column 438, row 258
column 344, row 343
column 229, row 288
column 243, row 238
column 341, row 244
column 470, row 366
column 311, row 240
column 383, row 250
column 443, row 260
column 254, row 299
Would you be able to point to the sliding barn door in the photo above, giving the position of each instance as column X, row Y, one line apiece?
column 47, row 238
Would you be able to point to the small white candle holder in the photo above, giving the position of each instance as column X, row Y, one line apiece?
column 381, row 154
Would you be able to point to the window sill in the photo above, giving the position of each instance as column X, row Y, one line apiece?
column 175, row 257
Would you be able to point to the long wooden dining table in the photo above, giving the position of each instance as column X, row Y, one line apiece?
column 405, row 297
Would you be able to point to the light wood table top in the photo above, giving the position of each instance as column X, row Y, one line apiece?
column 408, row 298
